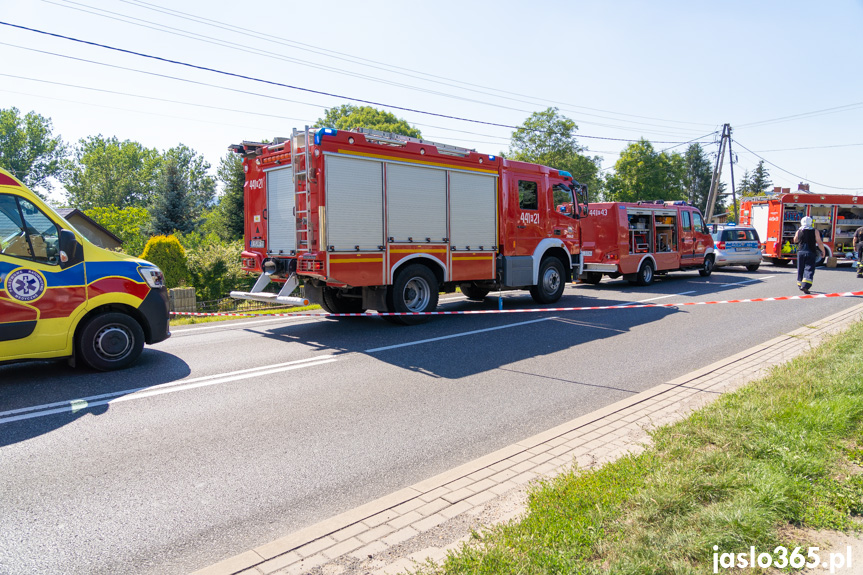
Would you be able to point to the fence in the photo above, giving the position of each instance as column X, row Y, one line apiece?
column 183, row 300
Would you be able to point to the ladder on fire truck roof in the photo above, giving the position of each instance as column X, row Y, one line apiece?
column 401, row 140
column 300, row 162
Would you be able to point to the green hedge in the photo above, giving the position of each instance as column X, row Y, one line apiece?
column 167, row 253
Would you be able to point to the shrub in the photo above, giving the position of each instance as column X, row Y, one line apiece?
column 215, row 269
column 167, row 253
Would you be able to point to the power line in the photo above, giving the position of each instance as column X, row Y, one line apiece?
column 258, row 52
column 198, row 105
column 291, row 87
column 812, row 114
column 365, row 61
column 810, row 148
column 792, row 173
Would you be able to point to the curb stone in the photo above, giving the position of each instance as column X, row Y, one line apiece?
column 429, row 519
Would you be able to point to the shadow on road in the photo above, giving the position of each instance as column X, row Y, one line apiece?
column 46, row 383
column 459, row 346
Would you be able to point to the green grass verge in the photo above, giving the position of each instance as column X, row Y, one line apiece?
column 189, row 320
column 785, row 450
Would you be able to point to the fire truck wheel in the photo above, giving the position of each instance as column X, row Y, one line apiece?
column 592, row 278
column 335, row 303
column 551, row 281
column 707, row 268
column 415, row 290
column 110, row 341
column 779, row 262
column 646, row 274
column 473, row 292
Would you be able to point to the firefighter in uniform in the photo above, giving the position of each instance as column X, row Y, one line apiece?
column 858, row 247
column 809, row 248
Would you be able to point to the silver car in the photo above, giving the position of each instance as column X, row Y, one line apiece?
column 736, row 246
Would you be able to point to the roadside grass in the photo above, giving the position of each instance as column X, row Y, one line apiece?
column 783, row 451
column 190, row 320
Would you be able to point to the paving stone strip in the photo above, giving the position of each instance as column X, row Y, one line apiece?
column 430, row 518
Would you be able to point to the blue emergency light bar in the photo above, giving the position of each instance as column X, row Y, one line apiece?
column 324, row 132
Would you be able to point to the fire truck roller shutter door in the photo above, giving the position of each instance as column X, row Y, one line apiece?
column 280, row 211
column 416, row 203
column 473, row 211
column 354, row 203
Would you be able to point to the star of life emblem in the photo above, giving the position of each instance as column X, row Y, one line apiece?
column 25, row 285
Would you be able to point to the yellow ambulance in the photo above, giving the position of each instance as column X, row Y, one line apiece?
column 61, row 296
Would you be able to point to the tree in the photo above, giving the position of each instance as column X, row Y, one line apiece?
column 548, row 138
column 697, row 175
column 744, row 186
column 128, row 224
column 172, row 208
column 230, row 211
column 643, row 174
column 348, row 116
column 107, row 172
column 761, row 182
column 29, row 151
column 200, row 185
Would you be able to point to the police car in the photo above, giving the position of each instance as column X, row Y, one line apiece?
column 736, row 246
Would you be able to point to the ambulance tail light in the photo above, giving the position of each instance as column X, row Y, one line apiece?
column 153, row 276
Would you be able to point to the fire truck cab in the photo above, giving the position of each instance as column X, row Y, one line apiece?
column 640, row 240
column 368, row 220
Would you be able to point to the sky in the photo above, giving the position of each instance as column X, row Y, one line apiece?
column 787, row 75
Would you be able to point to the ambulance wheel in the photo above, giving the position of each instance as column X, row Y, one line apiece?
column 646, row 274
column 707, row 268
column 592, row 278
column 110, row 341
column 551, row 281
column 334, row 302
column 415, row 290
column 473, row 292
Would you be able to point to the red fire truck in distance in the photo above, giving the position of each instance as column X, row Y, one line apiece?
column 639, row 240
column 377, row 221
column 777, row 217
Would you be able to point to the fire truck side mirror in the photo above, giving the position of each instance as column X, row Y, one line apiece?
column 582, row 210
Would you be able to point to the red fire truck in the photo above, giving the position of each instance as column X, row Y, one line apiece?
column 777, row 217
column 640, row 240
column 374, row 220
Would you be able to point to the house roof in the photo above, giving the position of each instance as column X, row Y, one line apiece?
column 69, row 212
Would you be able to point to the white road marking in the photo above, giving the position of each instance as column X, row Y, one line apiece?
column 229, row 325
column 658, row 297
column 753, row 280
column 75, row 405
column 665, row 296
column 463, row 334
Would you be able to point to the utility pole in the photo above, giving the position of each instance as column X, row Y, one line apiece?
column 717, row 172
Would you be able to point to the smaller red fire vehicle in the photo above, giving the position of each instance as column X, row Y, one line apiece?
column 640, row 240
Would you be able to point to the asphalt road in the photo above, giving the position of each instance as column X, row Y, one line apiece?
column 230, row 435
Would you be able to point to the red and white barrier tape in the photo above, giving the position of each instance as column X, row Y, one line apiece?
column 530, row 310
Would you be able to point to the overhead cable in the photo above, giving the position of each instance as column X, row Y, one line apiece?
column 737, row 142
column 292, row 87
